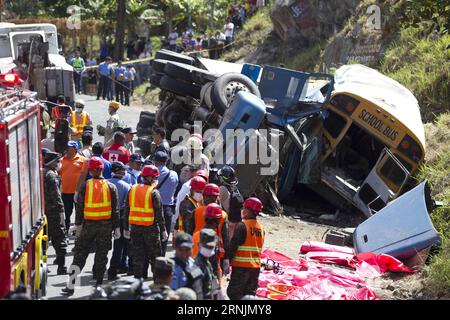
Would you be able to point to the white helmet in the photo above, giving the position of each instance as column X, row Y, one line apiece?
column 79, row 102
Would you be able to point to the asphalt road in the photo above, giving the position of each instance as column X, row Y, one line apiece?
column 98, row 110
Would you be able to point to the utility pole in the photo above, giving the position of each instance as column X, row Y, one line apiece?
column 120, row 30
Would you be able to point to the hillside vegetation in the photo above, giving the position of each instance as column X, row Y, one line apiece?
column 416, row 54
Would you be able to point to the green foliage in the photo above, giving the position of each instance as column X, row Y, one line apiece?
column 422, row 64
column 431, row 15
column 437, row 172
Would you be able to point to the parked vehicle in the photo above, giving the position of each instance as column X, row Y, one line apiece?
column 30, row 59
column 23, row 227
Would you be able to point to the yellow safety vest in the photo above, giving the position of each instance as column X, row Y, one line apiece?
column 79, row 126
column 97, row 200
column 141, row 206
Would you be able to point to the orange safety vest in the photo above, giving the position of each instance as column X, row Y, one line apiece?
column 141, row 206
column 180, row 220
column 248, row 254
column 97, row 200
column 79, row 126
column 199, row 219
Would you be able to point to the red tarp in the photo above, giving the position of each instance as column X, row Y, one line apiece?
column 320, row 282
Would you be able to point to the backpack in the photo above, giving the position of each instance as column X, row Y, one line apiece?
column 236, row 201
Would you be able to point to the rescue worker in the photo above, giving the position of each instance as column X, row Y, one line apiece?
column 78, row 66
column 215, row 218
column 118, row 262
column 111, row 124
column 208, row 240
column 97, row 214
column 187, row 273
column 79, row 120
column 56, row 112
column 162, row 276
column 117, row 151
column 198, row 158
column 144, row 222
column 54, row 208
column 230, row 196
column 167, row 184
column 245, row 251
column 45, row 121
column 187, row 207
column 73, row 165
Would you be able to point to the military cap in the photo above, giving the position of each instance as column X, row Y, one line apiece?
column 128, row 130
column 117, row 166
column 164, row 264
column 51, row 157
column 208, row 237
column 183, row 240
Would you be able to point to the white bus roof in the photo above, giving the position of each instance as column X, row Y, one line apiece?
column 383, row 91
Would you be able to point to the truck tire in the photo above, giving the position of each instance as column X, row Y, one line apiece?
column 155, row 80
column 187, row 73
column 289, row 175
column 158, row 65
column 226, row 86
column 205, row 95
column 146, row 120
column 173, row 56
column 180, row 87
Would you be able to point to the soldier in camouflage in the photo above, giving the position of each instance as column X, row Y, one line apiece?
column 162, row 276
column 208, row 241
column 94, row 225
column 145, row 244
column 54, row 208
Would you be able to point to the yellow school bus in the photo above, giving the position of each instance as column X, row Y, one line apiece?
column 373, row 139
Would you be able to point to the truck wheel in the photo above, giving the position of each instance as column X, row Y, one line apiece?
column 155, row 79
column 289, row 175
column 226, row 86
column 173, row 56
column 158, row 65
column 180, row 87
column 205, row 94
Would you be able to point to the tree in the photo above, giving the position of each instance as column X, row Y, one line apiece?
column 120, row 30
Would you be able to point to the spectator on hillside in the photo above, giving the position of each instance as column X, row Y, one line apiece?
column 229, row 29
column 173, row 36
column 212, row 47
column 221, row 38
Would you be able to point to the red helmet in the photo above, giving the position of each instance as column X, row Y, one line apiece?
column 96, row 163
column 202, row 173
column 150, row 171
column 211, row 189
column 197, row 183
column 254, row 204
column 213, row 210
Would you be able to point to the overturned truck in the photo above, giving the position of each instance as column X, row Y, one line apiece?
column 354, row 138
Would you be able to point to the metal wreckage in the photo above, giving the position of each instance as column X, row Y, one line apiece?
column 354, row 138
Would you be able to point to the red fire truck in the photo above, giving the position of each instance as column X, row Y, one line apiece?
column 23, row 226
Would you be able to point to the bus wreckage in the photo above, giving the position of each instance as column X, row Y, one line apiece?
column 355, row 138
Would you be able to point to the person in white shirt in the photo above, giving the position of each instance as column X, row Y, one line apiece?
column 229, row 28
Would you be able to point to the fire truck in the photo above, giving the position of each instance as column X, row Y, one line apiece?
column 23, row 226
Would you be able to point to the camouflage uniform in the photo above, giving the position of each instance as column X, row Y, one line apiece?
column 98, row 232
column 210, row 284
column 145, row 241
column 186, row 217
column 54, row 210
column 159, row 290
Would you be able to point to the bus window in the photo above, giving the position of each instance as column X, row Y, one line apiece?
column 334, row 123
column 391, row 171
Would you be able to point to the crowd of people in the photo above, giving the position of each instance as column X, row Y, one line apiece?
column 140, row 202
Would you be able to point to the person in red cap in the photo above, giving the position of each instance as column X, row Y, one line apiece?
column 213, row 217
column 97, row 213
column 245, row 251
column 189, row 204
column 144, row 222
